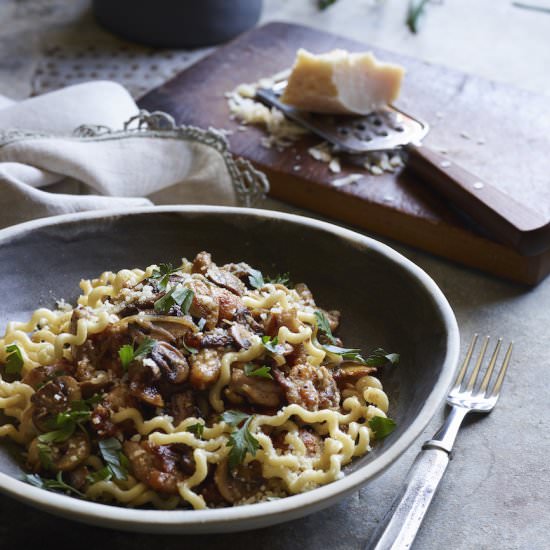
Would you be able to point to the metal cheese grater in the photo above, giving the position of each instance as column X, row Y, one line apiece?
column 383, row 130
column 493, row 211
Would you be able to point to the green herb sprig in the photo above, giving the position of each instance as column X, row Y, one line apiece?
column 241, row 440
column 14, row 359
column 56, row 484
column 272, row 344
column 262, row 372
column 116, row 462
column 64, row 425
column 382, row 426
column 323, row 325
column 179, row 295
column 197, row 429
column 129, row 353
column 324, row 4
column 279, row 279
column 255, row 278
column 162, row 275
column 415, row 11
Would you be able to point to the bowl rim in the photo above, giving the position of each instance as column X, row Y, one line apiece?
column 264, row 512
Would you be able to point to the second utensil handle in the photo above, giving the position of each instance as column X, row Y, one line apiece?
column 503, row 217
column 402, row 521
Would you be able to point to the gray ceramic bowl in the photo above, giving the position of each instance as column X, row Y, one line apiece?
column 385, row 299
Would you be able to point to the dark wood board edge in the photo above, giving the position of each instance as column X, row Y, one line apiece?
column 469, row 248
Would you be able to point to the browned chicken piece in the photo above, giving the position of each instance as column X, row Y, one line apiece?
column 53, row 398
column 307, row 297
column 63, row 456
column 201, row 263
column 255, row 389
column 310, row 387
column 205, row 368
column 213, row 303
column 156, row 466
column 242, row 482
column 296, row 354
column 287, row 318
column 312, row 441
column 204, row 305
column 120, row 397
column 350, row 374
column 182, row 406
column 228, row 302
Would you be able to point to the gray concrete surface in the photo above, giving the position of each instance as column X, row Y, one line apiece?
column 496, row 494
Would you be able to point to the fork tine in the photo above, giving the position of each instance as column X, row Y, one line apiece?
column 500, row 378
column 475, row 372
column 466, row 362
column 487, row 377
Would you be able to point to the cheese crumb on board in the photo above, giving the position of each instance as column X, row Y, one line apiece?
column 340, row 82
column 346, row 180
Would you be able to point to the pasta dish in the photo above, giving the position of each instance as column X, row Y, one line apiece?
column 197, row 386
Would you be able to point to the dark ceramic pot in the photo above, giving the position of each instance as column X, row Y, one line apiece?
column 177, row 23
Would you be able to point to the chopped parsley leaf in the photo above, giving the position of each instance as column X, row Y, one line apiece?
column 233, row 418
column 128, row 353
column 253, row 370
column 162, row 275
column 324, row 326
column 255, row 278
column 56, row 484
column 379, row 357
column 197, row 429
column 279, row 279
column 382, row 426
column 271, row 344
column 14, row 360
column 241, row 442
column 117, row 463
column 350, row 354
column 179, row 295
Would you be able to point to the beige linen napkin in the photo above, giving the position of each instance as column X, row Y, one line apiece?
column 122, row 157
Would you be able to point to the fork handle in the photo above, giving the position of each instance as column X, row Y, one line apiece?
column 504, row 219
column 399, row 526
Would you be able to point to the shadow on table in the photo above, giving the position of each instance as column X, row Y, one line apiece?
column 25, row 527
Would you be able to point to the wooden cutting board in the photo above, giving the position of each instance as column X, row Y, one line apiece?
column 499, row 133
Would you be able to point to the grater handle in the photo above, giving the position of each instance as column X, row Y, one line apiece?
column 504, row 219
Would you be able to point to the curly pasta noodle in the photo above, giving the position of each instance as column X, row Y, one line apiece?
column 343, row 432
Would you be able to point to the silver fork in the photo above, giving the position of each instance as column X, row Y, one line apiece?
column 402, row 521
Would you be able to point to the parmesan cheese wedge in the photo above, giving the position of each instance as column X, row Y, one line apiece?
column 340, row 82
